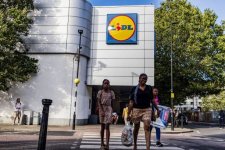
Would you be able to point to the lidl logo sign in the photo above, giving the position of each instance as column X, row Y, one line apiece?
column 121, row 29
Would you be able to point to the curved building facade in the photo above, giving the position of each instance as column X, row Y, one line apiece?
column 56, row 24
column 54, row 41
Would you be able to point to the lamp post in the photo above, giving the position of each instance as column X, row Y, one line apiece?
column 171, row 75
column 171, row 67
column 171, row 71
column 171, row 90
column 77, row 81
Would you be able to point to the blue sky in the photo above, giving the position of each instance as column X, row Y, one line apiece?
column 218, row 6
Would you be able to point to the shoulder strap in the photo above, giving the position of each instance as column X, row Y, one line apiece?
column 101, row 93
column 149, row 86
column 150, row 89
column 135, row 94
column 111, row 94
column 100, row 96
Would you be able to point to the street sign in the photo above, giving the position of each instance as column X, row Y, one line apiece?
column 172, row 95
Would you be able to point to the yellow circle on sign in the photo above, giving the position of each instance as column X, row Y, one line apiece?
column 121, row 28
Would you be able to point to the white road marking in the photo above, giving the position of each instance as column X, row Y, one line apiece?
column 91, row 140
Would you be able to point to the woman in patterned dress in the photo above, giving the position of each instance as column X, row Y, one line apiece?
column 105, row 98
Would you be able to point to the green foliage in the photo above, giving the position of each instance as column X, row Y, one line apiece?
column 214, row 102
column 198, row 48
column 15, row 65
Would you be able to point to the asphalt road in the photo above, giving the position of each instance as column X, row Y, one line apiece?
column 203, row 138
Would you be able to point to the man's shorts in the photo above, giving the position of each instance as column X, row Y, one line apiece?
column 143, row 115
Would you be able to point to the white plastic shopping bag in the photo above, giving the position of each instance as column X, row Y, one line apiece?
column 127, row 135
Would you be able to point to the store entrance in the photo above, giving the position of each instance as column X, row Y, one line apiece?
column 122, row 98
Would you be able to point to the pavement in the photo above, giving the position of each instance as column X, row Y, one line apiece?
column 80, row 129
column 57, row 132
column 95, row 127
column 212, row 124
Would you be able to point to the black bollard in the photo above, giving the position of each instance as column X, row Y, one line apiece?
column 74, row 121
column 182, row 121
column 44, row 124
column 74, row 114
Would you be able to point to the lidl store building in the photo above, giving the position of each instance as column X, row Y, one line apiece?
column 117, row 43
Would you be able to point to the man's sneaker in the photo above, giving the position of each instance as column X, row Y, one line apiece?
column 159, row 144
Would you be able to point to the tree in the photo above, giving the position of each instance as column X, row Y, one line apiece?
column 198, row 48
column 214, row 102
column 15, row 64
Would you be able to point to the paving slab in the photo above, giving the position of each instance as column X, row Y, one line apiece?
column 81, row 128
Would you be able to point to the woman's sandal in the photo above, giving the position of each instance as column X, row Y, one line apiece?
column 106, row 147
column 135, row 148
column 102, row 147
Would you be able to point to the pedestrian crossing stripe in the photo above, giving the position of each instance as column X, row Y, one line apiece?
column 121, row 147
column 91, row 140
